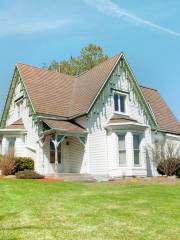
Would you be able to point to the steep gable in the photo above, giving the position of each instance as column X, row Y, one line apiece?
column 49, row 91
column 88, row 85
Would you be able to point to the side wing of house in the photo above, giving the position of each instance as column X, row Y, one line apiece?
column 18, row 130
column 119, row 126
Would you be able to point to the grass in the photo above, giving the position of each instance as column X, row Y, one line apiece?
column 60, row 210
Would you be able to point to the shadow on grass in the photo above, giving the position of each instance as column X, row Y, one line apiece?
column 7, row 215
column 27, row 227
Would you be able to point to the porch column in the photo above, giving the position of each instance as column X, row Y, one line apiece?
column 57, row 140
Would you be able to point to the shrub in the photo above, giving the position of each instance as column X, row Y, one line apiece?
column 28, row 174
column 1, row 156
column 23, row 163
column 177, row 173
column 8, row 164
column 168, row 167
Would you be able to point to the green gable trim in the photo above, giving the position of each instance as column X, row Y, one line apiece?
column 137, row 90
column 123, row 64
column 16, row 77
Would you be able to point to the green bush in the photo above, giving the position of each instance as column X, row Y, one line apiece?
column 28, row 174
column 169, row 167
column 23, row 163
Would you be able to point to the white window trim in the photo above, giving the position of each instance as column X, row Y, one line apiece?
column 118, row 160
column 126, row 103
column 140, row 151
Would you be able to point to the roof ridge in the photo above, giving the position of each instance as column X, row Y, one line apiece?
column 147, row 87
column 99, row 64
column 45, row 69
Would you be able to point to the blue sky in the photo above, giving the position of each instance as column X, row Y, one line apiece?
column 147, row 31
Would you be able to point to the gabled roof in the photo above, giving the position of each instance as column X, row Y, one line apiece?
column 165, row 119
column 88, row 85
column 64, row 126
column 16, row 125
column 58, row 94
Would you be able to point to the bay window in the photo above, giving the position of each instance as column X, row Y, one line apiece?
column 122, row 150
column 136, row 147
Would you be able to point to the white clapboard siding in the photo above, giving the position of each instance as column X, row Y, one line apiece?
column 76, row 155
column 20, row 149
column 103, row 151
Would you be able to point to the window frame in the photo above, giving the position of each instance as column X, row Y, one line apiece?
column 19, row 105
column 122, row 150
column 137, row 150
column 124, row 95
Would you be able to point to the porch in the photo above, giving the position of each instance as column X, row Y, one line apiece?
column 63, row 149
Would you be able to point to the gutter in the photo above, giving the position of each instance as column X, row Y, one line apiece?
column 62, row 131
column 13, row 131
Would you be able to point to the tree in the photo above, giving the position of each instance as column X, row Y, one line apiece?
column 90, row 56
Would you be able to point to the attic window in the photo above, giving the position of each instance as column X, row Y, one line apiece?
column 19, row 105
column 119, row 103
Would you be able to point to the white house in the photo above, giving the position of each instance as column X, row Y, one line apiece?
column 99, row 122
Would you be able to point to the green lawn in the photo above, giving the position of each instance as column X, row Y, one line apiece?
column 58, row 210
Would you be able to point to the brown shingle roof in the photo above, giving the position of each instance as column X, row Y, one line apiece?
column 64, row 125
column 17, row 125
column 50, row 91
column 57, row 94
column 119, row 118
column 165, row 119
column 88, row 85
column 62, row 95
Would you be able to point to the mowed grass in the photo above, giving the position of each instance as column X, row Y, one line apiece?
column 60, row 210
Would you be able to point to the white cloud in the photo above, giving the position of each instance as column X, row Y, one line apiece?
column 109, row 7
column 15, row 23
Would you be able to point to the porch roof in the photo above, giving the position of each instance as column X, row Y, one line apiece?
column 64, row 126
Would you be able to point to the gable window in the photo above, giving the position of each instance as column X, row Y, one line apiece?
column 122, row 150
column 19, row 105
column 19, row 109
column 136, row 145
column 52, row 153
column 119, row 103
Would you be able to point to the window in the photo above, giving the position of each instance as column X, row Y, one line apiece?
column 122, row 150
column 119, row 103
column 19, row 105
column 52, row 153
column 136, row 145
column 19, row 109
column 10, row 144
